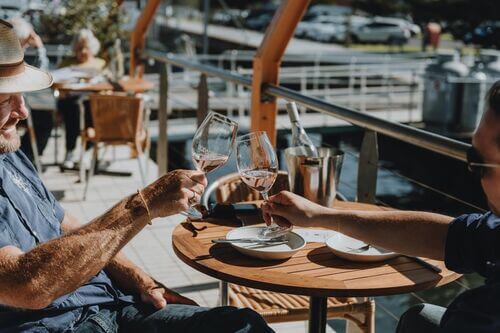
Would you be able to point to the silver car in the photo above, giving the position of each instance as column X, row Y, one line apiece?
column 391, row 31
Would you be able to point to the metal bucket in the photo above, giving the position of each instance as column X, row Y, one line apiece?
column 315, row 178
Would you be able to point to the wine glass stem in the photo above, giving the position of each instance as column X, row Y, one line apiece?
column 266, row 198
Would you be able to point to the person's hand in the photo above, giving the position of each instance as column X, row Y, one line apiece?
column 159, row 296
column 174, row 192
column 287, row 208
column 34, row 40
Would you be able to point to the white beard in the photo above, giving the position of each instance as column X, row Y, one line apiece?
column 9, row 146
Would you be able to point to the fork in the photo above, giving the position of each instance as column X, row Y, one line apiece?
column 249, row 240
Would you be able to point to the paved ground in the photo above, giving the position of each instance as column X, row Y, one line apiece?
column 151, row 249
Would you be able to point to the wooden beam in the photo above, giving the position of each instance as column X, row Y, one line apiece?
column 267, row 61
column 138, row 36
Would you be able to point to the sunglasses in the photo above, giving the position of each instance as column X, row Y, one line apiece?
column 475, row 163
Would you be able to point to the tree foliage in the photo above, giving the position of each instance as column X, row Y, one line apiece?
column 66, row 17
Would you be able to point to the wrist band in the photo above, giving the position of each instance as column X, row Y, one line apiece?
column 145, row 205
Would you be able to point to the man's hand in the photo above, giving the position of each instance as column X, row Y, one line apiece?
column 175, row 192
column 159, row 296
column 288, row 208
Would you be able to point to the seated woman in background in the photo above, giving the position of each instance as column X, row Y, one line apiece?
column 85, row 48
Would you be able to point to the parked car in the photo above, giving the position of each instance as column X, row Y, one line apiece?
column 486, row 34
column 259, row 19
column 230, row 17
column 328, row 10
column 327, row 28
column 403, row 22
column 260, row 22
column 391, row 31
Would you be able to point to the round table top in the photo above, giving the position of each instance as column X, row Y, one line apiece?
column 313, row 271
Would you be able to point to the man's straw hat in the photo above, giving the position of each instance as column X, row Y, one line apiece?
column 15, row 75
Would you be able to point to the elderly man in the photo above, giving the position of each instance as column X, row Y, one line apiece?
column 59, row 276
column 469, row 243
column 43, row 121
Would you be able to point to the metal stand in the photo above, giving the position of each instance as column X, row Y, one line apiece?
column 223, row 293
column 317, row 314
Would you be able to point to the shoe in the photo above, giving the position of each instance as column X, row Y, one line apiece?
column 69, row 160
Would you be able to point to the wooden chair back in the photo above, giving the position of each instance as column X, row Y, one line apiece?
column 116, row 118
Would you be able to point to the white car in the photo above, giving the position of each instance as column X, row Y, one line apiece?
column 327, row 28
column 392, row 31
column 414, row 28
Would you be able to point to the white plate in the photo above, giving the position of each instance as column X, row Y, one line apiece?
column 265, row 252
column 348, row 248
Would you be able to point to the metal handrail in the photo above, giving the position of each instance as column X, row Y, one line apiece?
column 202, row 68
column 424, row 139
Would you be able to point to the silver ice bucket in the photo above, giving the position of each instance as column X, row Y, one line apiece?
column 315, row 178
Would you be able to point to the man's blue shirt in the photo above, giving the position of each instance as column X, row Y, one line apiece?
column 473, row 245
column 30, row 215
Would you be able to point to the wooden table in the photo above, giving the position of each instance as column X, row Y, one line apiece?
column 313, row 271
column 129, row 85
column 134, row 85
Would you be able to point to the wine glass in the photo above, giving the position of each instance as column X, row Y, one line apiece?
column 258, row 167
column 212, row 145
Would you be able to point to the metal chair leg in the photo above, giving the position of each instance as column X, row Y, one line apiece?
column 223, row 293
column 141, row 170
column 82, row 155
column 34, row 146
column 91, row 171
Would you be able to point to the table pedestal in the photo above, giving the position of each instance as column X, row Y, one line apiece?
column 317, row 314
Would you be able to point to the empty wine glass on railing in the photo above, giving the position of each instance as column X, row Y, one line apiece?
column 212, row 146
column 258, row 167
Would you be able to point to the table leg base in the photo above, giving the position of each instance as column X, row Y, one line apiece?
column 317, row 314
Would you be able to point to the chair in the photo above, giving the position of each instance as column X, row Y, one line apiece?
column 117, row 120
column 277, row 307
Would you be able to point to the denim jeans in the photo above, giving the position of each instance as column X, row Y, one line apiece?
column 421, row 318
column 173, row 318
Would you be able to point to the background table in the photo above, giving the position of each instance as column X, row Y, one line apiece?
column 134, row 85
column 314, row 271
column 128, row 85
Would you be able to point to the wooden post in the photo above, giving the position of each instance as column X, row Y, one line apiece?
column 267, row 61
column 138, row 36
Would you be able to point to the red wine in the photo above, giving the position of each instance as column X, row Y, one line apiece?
column 207, row 163
column 260, row 180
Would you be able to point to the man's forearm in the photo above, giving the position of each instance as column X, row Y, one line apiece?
column 127, row 275
column 74, row 258
column 407, row 232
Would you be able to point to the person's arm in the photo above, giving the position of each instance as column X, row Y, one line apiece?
column 131, row 278
column 34, row 279
column 408, row 232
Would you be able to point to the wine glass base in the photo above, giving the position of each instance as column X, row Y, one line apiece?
column 193, row 213
column 273, row 232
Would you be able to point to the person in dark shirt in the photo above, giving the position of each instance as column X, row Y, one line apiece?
column 469, row 243
column 57, row 275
